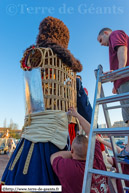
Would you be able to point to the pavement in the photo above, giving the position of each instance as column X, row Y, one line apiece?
column 3, row 162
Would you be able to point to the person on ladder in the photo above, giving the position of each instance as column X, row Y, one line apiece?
column 118, row 43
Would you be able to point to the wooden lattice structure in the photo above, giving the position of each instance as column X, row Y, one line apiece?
column 58, row 80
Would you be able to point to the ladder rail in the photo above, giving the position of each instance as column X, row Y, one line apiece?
column 108, row 122
column 117, row 131
column 126, row 188
column 116, row 107
column 111, row 174
column 114, row 98
column 91, row 146
column 115, row 75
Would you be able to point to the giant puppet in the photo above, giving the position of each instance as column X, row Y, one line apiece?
column 46, row 130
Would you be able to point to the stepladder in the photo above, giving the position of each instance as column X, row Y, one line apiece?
column 101, row 99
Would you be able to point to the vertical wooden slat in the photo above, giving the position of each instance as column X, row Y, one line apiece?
column 48, row 103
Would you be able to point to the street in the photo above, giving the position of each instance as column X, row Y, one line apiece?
column 3, row 162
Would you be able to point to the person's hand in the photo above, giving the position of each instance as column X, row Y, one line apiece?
column 100, row 139
column 72, row 112
column 114, row 90
column 107, row 72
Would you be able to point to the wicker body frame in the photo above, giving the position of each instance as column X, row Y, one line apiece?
column 58, row 80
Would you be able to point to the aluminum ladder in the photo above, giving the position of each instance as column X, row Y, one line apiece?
column 100, row 99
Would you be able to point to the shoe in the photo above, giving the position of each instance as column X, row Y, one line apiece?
column 123, row 154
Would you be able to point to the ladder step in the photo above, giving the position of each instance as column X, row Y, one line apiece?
column 116, row 107
column 121, row 161
column 117, row 131
column 126, row 188
column 115, row 75
column 109, row 174
column 113, row 98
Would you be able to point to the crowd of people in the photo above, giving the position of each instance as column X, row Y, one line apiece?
column 11, row 146
column 7, row 146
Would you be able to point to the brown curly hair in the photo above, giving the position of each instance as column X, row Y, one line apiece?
column 53, row 29
column 54, row 34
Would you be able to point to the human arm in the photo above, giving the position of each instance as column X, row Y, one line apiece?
column 108, row 144
column 64, row 154
column 122, row 56
column 113, row 90
column 122, row 60
column 119, row 44
column 110, row 160
column 107, row 72
column 83, row 122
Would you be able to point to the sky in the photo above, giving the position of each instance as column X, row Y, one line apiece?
column 19, row 22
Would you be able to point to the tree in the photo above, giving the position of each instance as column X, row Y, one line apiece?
column 5, row 123
column 13, row 126
column 12, row 129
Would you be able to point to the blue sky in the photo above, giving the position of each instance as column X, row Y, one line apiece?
column 19, row 21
